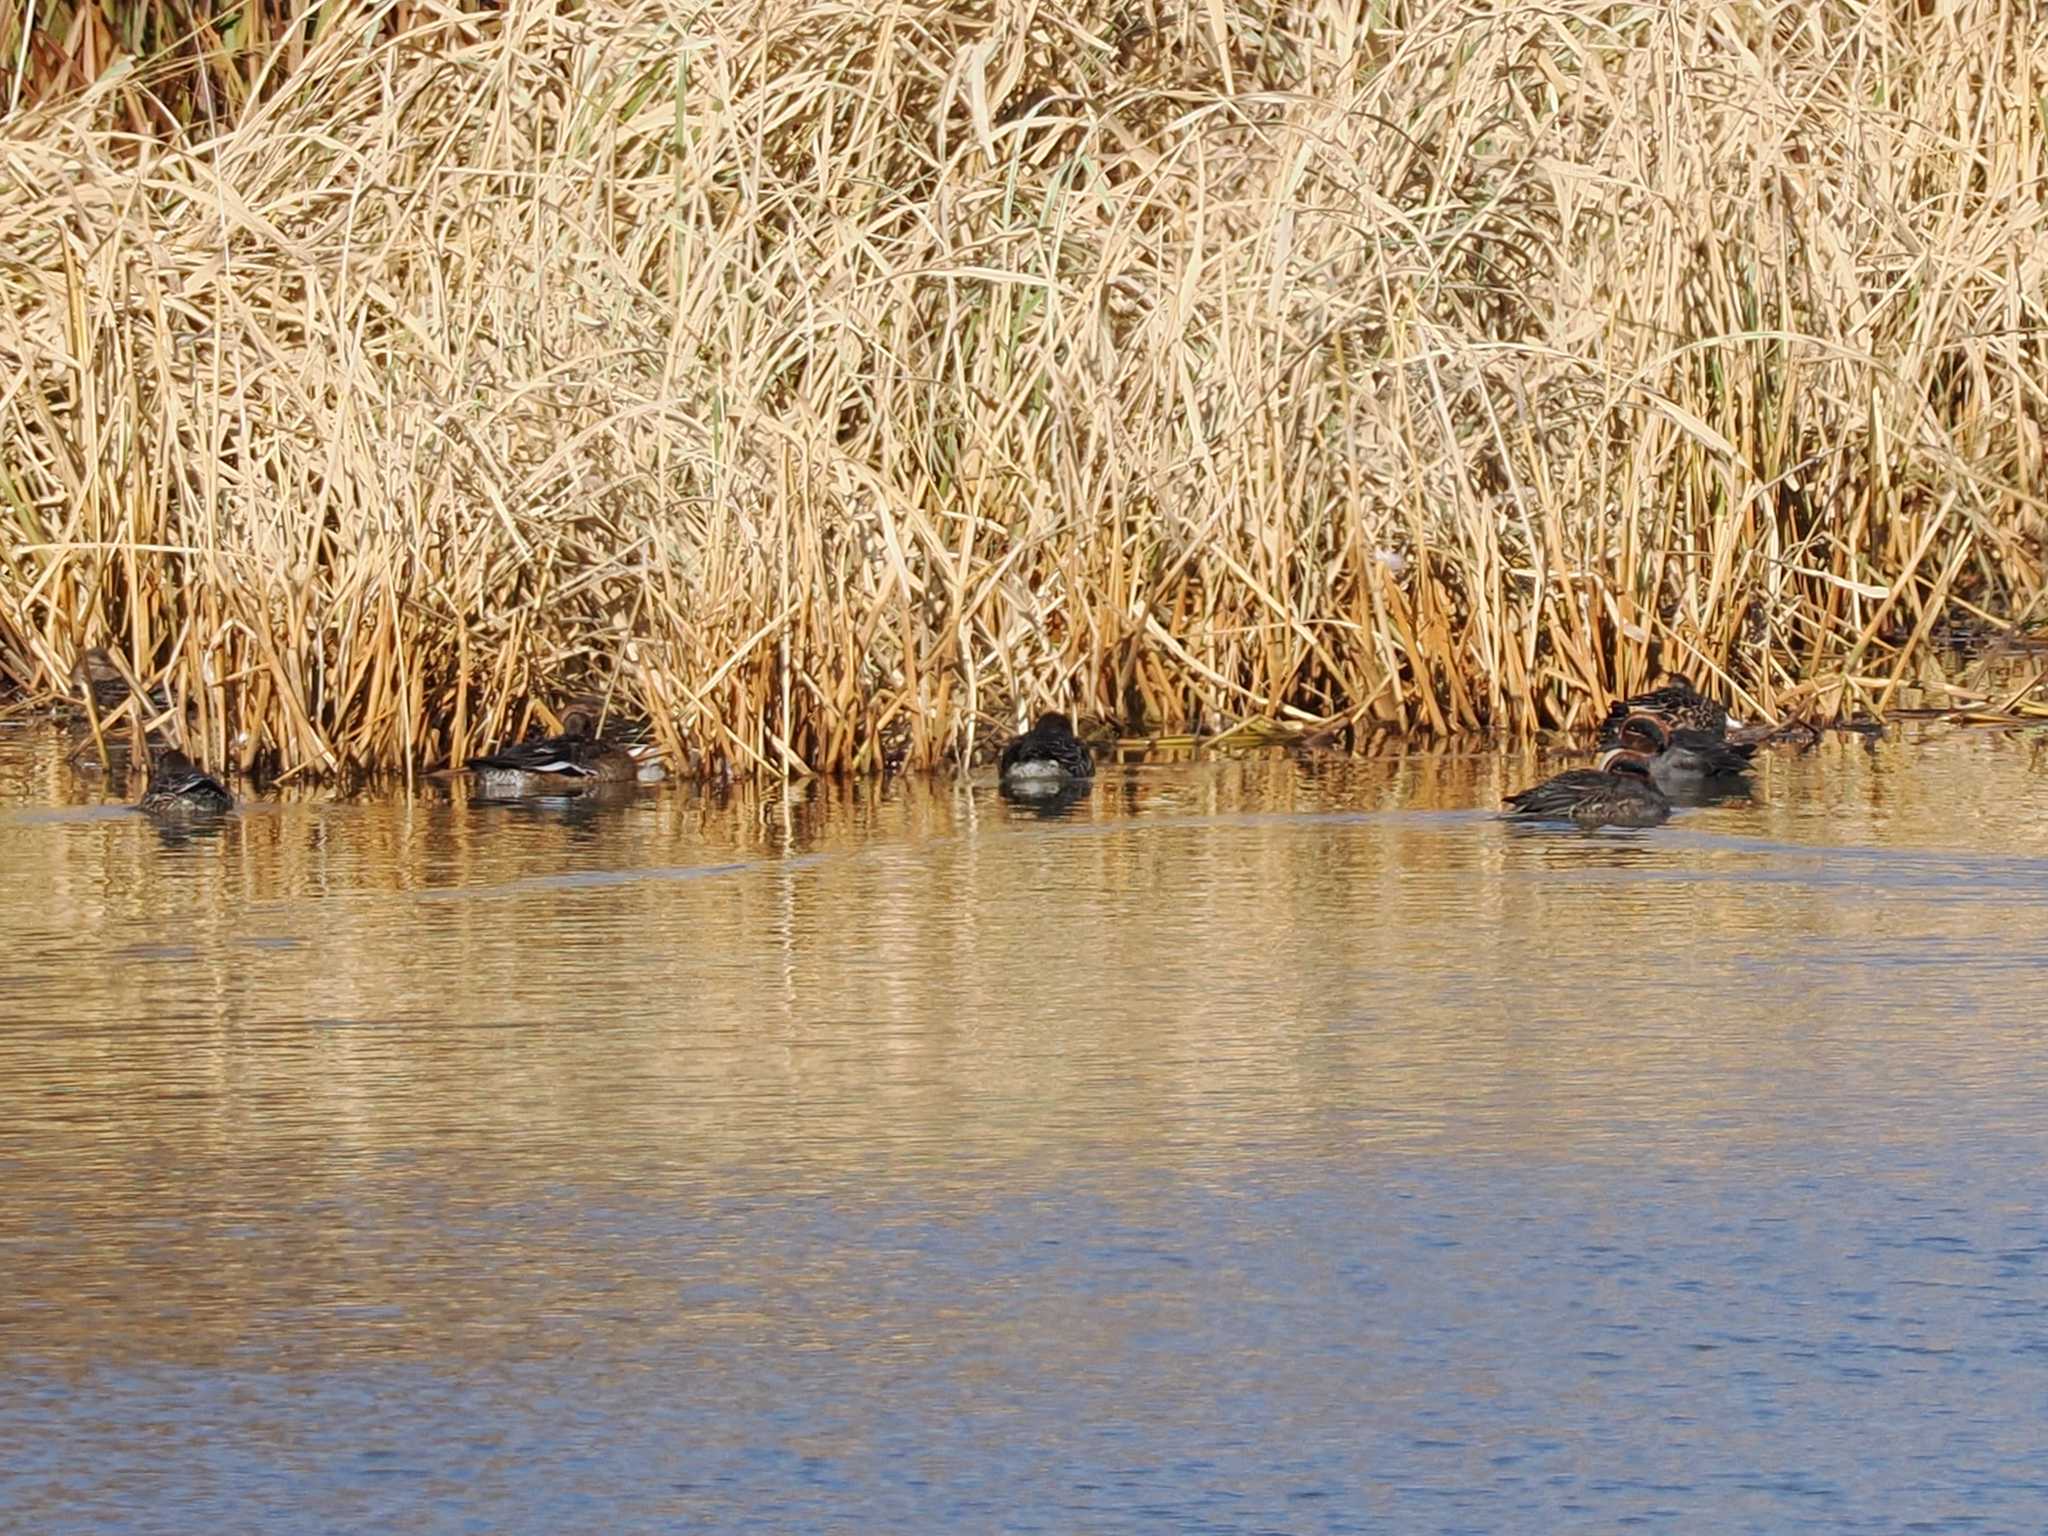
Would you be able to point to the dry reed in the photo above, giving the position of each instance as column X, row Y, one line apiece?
column 831, row 380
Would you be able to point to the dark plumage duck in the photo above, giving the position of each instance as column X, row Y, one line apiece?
column 566, row 764
column 1680, row 761
column 1678, row 704
column 180, row 787
column 1046, row 757
column 1620, row 796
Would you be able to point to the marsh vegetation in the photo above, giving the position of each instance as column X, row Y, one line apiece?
column 829, row 381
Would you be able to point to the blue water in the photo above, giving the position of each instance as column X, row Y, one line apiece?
column 1352, row 1344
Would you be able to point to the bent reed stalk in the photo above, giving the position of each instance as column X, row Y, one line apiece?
column 829, row 380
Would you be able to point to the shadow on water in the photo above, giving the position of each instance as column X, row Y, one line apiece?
column 1049, row 803
column 1561, row 846
column 1713, row 793
column 178, row 832
column 585, row 812
column 1241, row 1139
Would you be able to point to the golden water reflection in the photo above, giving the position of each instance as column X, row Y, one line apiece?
column 292, row 1079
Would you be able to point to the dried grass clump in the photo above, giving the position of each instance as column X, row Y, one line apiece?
column 831, row 380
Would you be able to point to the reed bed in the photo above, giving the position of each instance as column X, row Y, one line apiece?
column 833, row 383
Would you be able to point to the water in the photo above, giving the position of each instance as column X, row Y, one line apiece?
column 1261, row 1146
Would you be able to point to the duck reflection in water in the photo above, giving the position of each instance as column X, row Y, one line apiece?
column 1053, row 802
column 583, row 813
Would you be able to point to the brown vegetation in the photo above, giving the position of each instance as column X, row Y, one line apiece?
column 818, row 377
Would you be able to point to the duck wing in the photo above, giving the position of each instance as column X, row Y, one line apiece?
column 1566, row 792
column 554, row 754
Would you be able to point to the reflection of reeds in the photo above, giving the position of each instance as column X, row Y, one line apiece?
column 1440, row 375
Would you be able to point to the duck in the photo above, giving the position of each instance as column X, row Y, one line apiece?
column 99, row 680
column 179, row 786
column 1046, row 757
column 1621, row 795
column 1677, row 703
column 1680, row 760
column 575, row 760
column 97, row 677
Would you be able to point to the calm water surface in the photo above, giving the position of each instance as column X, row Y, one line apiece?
column 1260, row 1146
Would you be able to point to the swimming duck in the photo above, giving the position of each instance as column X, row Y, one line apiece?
column 1677, row 703
column 564, row 764
column 1680, row 760
column 179, row 786
column 1048, row 756
column 1621, row 796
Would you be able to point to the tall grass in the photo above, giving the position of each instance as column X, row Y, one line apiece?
column 829, row 380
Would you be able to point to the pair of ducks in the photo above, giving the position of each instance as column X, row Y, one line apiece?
column 1660, row 747
column 575, row 760
column 177, row 785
